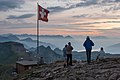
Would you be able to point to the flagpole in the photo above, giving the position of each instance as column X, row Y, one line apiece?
column 37, row 36
column 37, row 31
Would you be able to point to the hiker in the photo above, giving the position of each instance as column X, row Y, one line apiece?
column 88, row 46
column 64, row 54
column 41, row 60
column 101, row 54
column 69, row 54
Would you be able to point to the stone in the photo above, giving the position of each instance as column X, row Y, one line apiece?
column 113, row 76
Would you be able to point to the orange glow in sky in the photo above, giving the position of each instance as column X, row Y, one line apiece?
column 66, row 17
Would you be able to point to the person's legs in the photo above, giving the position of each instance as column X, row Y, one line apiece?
column 70, row 59
column 67, row 59
column 87, row 54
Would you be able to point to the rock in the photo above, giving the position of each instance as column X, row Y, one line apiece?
column 118, row 79
column 114, row 76
column 36, row 79
column 87, row 78
column 79, row 72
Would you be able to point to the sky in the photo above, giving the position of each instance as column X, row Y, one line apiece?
column 66, row 17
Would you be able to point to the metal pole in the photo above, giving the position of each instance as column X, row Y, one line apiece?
column 37, row 31
column 37, row 36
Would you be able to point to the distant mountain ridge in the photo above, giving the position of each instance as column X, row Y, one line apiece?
column 7, row 38
column 45, row 36
column 47, row 53
column 115, row 45
column 114, row 48
column 4, row 39
column 28, row 42
column 27, row 39
column 58, row 41
column 99, row 37
column 56, row 36
column 12, row 37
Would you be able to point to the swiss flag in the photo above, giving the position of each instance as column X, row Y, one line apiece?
column 42, row 14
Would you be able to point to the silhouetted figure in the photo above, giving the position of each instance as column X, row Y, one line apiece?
column 88, row 46
column 65, row 55
column 69, row 54
column 101, row 54
column 40, row 61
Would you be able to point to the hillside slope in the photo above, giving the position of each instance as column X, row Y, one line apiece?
column 11, row 51
column 106, row 69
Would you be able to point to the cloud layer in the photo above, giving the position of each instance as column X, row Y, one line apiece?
column 20, row 17
column 5, row 5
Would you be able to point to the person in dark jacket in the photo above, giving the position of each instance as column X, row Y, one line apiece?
column 88, row 46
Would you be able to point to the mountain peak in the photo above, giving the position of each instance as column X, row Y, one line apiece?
column 48, row 54
column 11, row 36
column 49, row 48
column 27, row 39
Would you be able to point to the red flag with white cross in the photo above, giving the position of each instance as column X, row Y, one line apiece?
column 42, row 14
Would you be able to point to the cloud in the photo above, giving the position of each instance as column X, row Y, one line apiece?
column 57, row 9
column 90, row 23
column 20, row 17
column 8, row 25
column 21, row 26
column 113, row 8
column 5, row 5
column 97, row 16
column 107, row 32
column 80, row 4
column 4, row 22
column 82, row 16
column 87, row 3
column 109, row 1
column 117, row 0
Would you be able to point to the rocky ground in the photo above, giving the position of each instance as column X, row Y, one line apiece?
column 106, row 69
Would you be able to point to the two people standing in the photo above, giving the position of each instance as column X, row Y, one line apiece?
column 67, row 53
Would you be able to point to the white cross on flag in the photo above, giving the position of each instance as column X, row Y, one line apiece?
column 42, row 14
